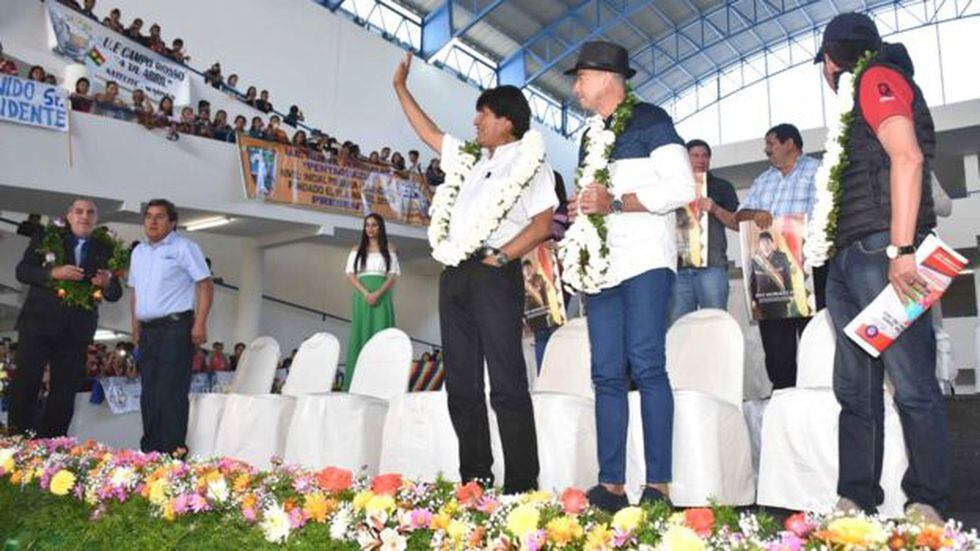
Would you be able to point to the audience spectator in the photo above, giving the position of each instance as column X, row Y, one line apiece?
column 114, row 21
column 263, row 104
column 386, row 154
column 155, row 41
column 236, row 355
column 177, row 51
column 240, row 122
column 299, row 139
column 49, row 79
column 375, row 157
column 213, row 76
column 165, row 112
column 7, row 66
column 250, row 96
column 257, row 130
column 80, row 100
column 36, row 73
column 398, row 162
column 220, row 129
column 109, row 98
column 274, row 132
column 187, row 121
column 231, row 84
column 414, row 165
column 434, row 174
column 217, row 361
column 295, row 116
column 200, row 362
column 89, row 10
column 142, row 107
column 135, row 31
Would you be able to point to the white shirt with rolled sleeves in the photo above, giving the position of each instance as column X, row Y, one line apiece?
column 643, row 241
column 164, row 276
column 482, row 186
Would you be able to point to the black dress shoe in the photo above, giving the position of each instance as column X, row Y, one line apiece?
column 652, row 495
column 609, row 502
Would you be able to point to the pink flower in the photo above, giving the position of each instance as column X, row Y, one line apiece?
column 198, row 503
column 798, row 525
column 249, row 514
column 488, row 505
column 790, row 542
column 535, row 540
column 333, row 479
column 296, row 518
column 421, row 518
column 573, row 501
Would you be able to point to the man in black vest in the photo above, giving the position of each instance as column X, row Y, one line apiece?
column 885, row 211
column 52, row 333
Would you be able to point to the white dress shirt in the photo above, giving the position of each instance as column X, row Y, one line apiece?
column 643, row 241
column 373, row 265
column 482, row 186
column 164, row 275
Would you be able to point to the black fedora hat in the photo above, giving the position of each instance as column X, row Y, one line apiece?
column 603, row 56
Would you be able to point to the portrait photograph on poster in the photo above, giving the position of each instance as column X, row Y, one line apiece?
column 777, row 284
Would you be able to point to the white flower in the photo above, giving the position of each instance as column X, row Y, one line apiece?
column 366, row 539
column 49, row 258
column 7, row 453
column 122, row 477
column 275, row 524
column 391, row 540
column 340, row 523
column 218, row 490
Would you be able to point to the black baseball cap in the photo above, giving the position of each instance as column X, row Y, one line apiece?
column 851, row 27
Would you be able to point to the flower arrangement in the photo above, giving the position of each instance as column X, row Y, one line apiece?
column 391, row 513
column 81, row 294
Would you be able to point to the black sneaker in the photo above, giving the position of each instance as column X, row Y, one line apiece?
column 609, row 502
column 652, row 495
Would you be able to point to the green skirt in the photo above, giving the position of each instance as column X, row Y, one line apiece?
column 366, row 321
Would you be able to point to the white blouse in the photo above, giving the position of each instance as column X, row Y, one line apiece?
column 374, row 265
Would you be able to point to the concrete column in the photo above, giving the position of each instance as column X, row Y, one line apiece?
column 250, row 294
column 971, row 172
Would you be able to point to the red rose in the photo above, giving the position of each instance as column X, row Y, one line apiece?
column 701, row 520
column 334, row 479
column 797, row 524
column 573, row 501
column 386, row 484
column 469, row 493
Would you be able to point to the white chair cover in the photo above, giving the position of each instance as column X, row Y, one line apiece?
column 346, row 430
column 712, row 455
column 817, row 345
column 254, row 428
column 754, row 411
column 254, row 375
column 798, row 462
column 564, row 411
column 384, row 365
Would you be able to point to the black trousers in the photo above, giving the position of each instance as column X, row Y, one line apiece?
column 780, row 337
column 480, row 310
column 66, row 356
column 165, row 354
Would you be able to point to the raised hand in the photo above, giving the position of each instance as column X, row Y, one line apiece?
column 401, row 72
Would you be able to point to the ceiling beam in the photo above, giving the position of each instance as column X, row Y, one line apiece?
column 439, row 28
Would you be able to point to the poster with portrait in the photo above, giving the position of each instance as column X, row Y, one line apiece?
column 692, row 228
column 544, row 305
column 777, row 284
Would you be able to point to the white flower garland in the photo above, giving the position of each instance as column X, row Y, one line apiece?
column 451, row 252
column 583, row 238
column 818, row 240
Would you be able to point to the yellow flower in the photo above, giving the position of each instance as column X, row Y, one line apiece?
column 168, row 511
column 457, row 529
column 15, row 477
column 563, row 530
column 450, row 508
column 600, row 538
column 62, row 483
column 158, row 491
column 241, row 482
column 361, row 499
column 440, row 521
column 317, row 507
column 538, row 496
column 379, row 503
column 682, row 538
column 523, row 520
column 7, row 459
column 857, row 531
column 627, row 519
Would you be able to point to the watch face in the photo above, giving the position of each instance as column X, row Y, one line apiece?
column 891, row 251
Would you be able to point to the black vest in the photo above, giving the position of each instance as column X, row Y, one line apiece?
column 865, row 206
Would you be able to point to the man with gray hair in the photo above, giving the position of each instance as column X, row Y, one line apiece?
column 52, row 332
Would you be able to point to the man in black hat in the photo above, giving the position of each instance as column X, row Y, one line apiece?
column 885, row 211
column 651, row 177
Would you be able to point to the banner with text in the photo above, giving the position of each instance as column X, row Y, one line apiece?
column 282, row 173
column 110, row 56
column 33, row 103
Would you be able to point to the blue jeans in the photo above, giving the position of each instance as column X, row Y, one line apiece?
column 698, row 288
column 627, row 330
column 857, row 274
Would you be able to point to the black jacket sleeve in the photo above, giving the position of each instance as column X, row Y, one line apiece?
column 31, row 269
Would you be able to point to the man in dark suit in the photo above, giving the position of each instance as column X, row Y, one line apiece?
column 52, row 333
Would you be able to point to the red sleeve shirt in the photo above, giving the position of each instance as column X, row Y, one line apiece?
column 884, row 94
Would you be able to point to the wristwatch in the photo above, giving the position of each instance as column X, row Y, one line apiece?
column 617, row 205
column 894, row 251
column 502, row 258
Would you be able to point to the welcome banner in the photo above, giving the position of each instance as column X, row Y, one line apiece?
column 282, row 173
column 110, row 56
column 33, row 103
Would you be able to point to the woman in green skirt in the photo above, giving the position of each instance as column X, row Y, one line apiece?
column 372, row 268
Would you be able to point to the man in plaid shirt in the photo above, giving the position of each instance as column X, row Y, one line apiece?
column 786, row 187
